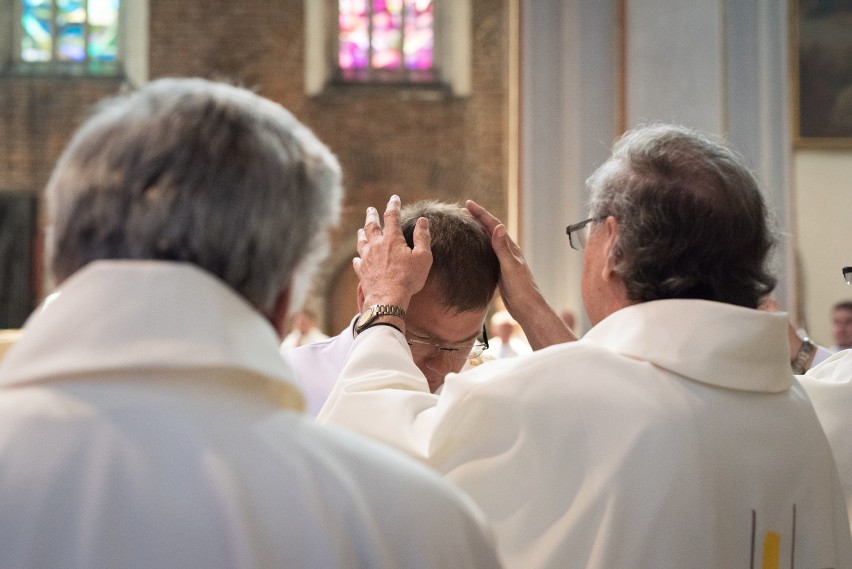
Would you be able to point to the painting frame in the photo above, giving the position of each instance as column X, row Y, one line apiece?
column 821, row 78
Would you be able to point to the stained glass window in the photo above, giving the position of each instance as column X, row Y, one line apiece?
column 69, row 30
column 386, row 40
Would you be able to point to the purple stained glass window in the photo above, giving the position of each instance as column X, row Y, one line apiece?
column 354, row 23
column 385, row 38
column 419, row 34
column 69, row 30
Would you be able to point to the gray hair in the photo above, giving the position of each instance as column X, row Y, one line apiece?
column 691, row 220
column 200, row 172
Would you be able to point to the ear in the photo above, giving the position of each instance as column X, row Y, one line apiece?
column 610, row 229
column 279, row 311
column 360, row 298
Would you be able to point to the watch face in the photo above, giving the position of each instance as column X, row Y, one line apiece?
column 365, row 318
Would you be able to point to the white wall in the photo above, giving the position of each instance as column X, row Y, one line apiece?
column 568, row 124
column 134, row 49
column 717, row 66
column 674, row 63
column 823, row 233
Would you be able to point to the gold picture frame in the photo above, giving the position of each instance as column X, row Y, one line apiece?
column 821, row 73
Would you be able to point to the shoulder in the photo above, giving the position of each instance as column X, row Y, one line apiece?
column 836, row 369
column 829, row 385
column 563, row 366
column 384, row 476
column 515, row 394
column 329, row 352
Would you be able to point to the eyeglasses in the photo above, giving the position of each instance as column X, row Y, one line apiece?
column 578, row 234
column 466, row 350
column 847, row 274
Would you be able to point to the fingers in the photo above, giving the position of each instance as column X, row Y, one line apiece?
column 498, row 240
column 392, row 223
column 482, row 215
column 504, row 247
column 422, row 238
column 372, row 227
column 361, row 242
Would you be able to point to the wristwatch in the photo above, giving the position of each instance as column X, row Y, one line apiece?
column 371, row 313
column 803, row 357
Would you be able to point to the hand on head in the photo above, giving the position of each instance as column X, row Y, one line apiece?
column 516, row 279
column 389, row 271
column 520, row 293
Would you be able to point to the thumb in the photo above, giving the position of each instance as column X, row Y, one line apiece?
column 500, row 241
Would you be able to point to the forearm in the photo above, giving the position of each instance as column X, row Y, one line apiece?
column 541, row 324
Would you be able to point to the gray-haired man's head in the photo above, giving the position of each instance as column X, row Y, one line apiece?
column 691, row 221
column 200, row 172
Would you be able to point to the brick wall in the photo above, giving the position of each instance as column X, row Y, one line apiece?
column 38, row 115
column 387, row 141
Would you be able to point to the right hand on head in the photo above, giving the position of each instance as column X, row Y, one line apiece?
column 389, row 271
column 521, row 295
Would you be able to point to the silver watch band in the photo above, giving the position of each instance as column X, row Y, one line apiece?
column 803, row 357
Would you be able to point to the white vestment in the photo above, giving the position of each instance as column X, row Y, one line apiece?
column 295, row 339
column 829, row 385
column 148, row 420
column 316, row 367
column 672, row 436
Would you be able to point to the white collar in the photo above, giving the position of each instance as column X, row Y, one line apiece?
column 711, row 342
column 146, row 315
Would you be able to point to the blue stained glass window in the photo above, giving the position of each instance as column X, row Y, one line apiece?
column 37, row 20
column 386, row 39
column 69, row 30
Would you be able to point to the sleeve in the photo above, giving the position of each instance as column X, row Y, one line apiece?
column 822, row 354
column 382, row 394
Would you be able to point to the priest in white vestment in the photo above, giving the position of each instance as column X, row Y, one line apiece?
column 673, row 434
column 147, row 418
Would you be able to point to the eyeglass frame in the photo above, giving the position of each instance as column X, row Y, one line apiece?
column 441, row 349
column 574, row 229
column 847, row 275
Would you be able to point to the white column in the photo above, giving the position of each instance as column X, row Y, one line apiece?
column 716, row 66
column 568, row 123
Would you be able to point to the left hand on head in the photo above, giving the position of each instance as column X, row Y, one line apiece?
column 517, row 284
column 389, row 271
column 520, row 293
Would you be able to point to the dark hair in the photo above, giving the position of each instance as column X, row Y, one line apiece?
column 463, row 262
column 691, row 220
column 842, row 305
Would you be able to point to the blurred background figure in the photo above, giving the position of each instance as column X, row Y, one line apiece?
column 505, row 340
column 841, row 325
column 303, row 331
